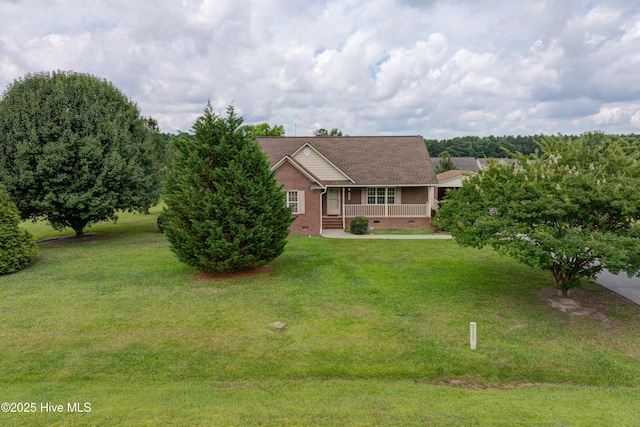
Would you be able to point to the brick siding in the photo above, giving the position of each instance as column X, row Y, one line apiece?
column 292, row 179
column 396, row 222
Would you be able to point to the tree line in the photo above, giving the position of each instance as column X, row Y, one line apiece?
column 498, row 146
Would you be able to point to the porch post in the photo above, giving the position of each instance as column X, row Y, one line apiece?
column 344, row 222
column 324, row 191
column 430, row 199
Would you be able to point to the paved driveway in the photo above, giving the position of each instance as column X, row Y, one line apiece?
column 621, row 284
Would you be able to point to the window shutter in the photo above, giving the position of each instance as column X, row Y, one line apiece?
column 300, row 201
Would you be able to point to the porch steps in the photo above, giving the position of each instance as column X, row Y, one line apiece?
column 332, row 223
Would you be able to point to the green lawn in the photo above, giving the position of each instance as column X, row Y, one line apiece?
column 377, row 334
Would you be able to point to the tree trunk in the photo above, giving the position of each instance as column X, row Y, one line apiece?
column 78, row 226
column 562, row 279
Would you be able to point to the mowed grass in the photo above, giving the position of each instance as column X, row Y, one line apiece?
column 377, row 333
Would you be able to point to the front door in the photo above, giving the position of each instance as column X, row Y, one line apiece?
column 333, row 201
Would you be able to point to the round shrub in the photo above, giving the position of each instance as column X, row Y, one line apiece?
column 17, row 249
column 359, row 225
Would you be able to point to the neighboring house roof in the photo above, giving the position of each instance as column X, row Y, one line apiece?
column 463, row 163
column 452, row 178
column 444, row 176
column 471, row 164
column 357, row 161
column 484, row 163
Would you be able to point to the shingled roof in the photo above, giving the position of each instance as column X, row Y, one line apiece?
column 366, row 160
column 450, row 174
column 462, row 163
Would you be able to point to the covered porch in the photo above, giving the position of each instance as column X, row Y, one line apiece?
column 399, row 206
column 385, row 211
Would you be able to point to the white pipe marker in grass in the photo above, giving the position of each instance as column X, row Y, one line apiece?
column 472, row 335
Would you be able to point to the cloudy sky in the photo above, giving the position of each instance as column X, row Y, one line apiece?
column 434, row 68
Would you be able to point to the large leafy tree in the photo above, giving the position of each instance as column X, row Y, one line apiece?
column 17, row 248
column 324, row 133
column 572, row 208
column 74, row 150
column 265, row 129
column 225, row 211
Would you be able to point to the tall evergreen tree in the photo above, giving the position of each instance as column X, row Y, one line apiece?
column 225, row 211
column 17, row 248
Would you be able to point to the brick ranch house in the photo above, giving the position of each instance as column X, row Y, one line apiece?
column 329, row 180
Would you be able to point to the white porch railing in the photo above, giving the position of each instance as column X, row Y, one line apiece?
column 386, row 210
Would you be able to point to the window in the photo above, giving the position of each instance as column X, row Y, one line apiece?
column 295, row 199
column 391, row 196
column 292, row 200
column 381, row 196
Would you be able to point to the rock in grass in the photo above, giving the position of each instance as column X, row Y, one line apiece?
column 279, row 325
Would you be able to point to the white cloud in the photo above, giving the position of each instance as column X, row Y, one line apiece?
column 617, row 115
column 436, row 68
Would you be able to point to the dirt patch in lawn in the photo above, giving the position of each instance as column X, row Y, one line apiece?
column 574, row 308
column 578, row 304
column 461, row 383
column 593, row 302
column 90, row 238
column 231, row 276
